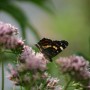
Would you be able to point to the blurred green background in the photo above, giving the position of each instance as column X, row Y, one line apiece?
column 54, row 19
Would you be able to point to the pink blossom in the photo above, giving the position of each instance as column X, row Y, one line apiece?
column 33, row 61
column 7, row 37
column 11, row 42
column 75, row 65
column 7, row 29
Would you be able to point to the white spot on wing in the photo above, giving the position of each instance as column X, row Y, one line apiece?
column 61, row 48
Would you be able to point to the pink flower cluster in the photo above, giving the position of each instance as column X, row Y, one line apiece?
column 28, row 61
column 75, row 65
column 15, row 77
column 7, row 38
column 31, row 66
column 32, row 60
column 7, row 29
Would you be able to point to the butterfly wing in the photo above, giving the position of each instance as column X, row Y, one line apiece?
column 44, row 43
column 61, row 44
column 51, row 48
column 45, row 47
column 50, row 51
column 56, row 48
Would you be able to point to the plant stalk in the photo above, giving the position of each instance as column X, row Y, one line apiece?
column 68, row 84
column 2, row 75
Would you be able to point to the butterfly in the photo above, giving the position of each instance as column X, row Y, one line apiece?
column 50, row 48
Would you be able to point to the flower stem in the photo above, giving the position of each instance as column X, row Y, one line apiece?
column 67, row 84
column 89, row 45
column 20, row 87
column 2, row 75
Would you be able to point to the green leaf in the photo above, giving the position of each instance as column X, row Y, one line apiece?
column 42, row 4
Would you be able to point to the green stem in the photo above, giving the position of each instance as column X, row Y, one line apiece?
column 67, row 84
column 2, row 76
column 14, row 87
column 6, row 51
column 21, row 87
column 20, row 81
column 89, row 45
column 27, row 88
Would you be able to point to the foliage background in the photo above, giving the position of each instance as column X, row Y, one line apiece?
column 54, row 19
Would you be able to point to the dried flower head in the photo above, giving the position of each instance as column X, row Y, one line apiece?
column 52, row 82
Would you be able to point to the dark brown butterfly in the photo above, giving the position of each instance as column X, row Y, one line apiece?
column 51, row 48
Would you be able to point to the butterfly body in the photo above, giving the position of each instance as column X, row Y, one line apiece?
column 51, row 48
